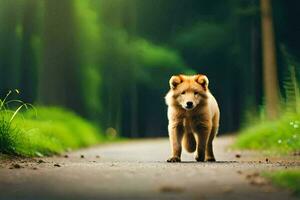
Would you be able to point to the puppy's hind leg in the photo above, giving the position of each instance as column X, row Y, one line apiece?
column 189, row 141
column 214, row 131
column 209, row 149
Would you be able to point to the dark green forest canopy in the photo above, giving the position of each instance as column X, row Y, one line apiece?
column 110, row 60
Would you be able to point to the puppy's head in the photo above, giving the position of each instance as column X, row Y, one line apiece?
column 189, row 91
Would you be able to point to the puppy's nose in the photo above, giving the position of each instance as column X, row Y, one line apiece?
column 189, row 104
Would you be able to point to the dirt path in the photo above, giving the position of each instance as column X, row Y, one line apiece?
column 137, row 170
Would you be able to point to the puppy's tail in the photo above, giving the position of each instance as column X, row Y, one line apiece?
column 189, row 142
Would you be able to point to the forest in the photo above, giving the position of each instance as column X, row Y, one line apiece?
column 110, row 61
column 82, row 99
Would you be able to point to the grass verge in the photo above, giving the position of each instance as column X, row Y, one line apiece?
column 288, row 179
column 280, row 136
column 45, row 131
column 275, row 137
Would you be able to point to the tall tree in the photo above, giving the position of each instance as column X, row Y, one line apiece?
column 9, row 45
column 28, row 64
column 269, row 61
column 60, row 82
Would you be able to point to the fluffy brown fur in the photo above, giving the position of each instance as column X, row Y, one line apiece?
column 193, row 115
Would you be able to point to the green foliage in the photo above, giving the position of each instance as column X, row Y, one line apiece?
column 131, row 65
column 156, row 61
column 151, row 55
column 42, row 131
column 54, row 130
column 8, row 135
column 102, row 57
column 288, row 178
column 282, row 135
column 292, row 92
column 89, row 42
column 205, row 38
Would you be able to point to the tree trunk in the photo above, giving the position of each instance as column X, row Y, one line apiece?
column 269, row 61
column 9, row 43
column 28, row 65
column 60, row 82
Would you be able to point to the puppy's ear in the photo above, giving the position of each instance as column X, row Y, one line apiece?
column 174, row 81
column 203, row 81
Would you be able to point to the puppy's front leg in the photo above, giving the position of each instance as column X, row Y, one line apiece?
column 201, row 135
column 176, row 130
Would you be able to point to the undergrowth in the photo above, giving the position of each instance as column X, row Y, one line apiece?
column 37, row 131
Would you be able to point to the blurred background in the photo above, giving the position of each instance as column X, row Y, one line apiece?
column 110, row 60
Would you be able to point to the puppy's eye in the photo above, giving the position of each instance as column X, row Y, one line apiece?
column 196, row 93
column 183, row 92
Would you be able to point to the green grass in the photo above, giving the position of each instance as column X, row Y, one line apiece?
column 280, row 136
column 288, row 179
column 45, row 131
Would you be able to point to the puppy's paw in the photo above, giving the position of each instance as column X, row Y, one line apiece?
column 210, row 159
column 174, row 159
column 200, row 158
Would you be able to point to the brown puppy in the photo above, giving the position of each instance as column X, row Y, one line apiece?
column 193, row 115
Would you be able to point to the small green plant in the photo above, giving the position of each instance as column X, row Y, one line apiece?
column 7, row 141
column 10, row 134
column 291, row 83
column 292, row 92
